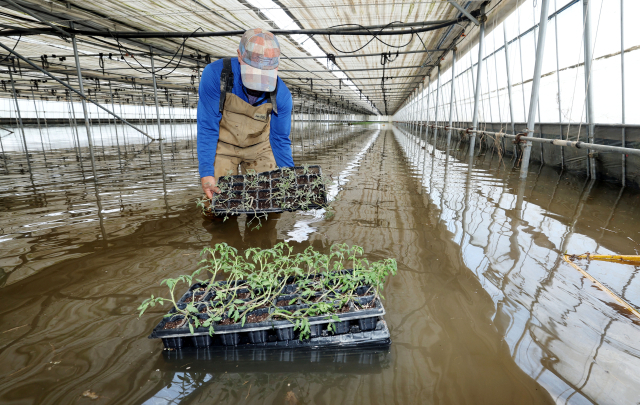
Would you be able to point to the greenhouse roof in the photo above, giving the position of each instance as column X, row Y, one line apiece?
column 373, row 73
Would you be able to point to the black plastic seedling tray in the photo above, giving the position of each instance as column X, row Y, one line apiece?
column 364, row 315
column 354, row 337
column 257, row 197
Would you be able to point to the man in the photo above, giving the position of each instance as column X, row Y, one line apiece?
column 244, row 112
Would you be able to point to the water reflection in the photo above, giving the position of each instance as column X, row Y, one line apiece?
column 562, row 331
column 264, row 375
column 481, row 311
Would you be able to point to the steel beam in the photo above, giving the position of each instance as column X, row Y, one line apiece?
column 535, row 88
column 435, row 130
column 160, row 140
column 624, row 120
column 453, row 81
column 588, row 56
column 464, row 12
column 24, row 138
column 86, row 114
column 476, row 99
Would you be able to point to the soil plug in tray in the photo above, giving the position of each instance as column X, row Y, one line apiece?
column 266, row 303
column 286, row 189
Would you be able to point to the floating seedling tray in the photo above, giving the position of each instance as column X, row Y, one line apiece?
column 377, row 337
column 357, row 321
column 285, row 189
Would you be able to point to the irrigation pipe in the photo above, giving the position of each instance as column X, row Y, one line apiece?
column 624, row 259
column 567, row 258
column 557, row 142
column 358, row 30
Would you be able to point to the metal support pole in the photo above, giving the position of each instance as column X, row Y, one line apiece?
column 146, row 124
column 453, row 80
column 35, row 106
column 624, row 121
column 124, row 132
column 476, row 99
column 171, row 130
column 555, row 20
column 435, row 130
column 470, row 86
column 46, row 126
column 421, row 110
column 308, row 131
column 75, row 126
column 155, row 97
column 488, row 97
column 537, row 72
column 426, row 129
column 84, row 110
column 303, row 128
column 495, row 64
column 588, row 56
column 115, row 125
column 4, row 156
column 301, row 124
column 416, row 109
column 508, row 66
column 190, row 125
column 24, row 138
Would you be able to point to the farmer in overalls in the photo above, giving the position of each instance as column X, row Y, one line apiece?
column 244, row 112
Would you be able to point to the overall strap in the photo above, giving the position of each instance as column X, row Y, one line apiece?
column 226, row 81
column 272, row 99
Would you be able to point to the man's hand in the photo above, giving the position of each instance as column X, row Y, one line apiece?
column 209, row 186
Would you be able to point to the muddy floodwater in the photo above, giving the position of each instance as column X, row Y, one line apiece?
column 483, row 309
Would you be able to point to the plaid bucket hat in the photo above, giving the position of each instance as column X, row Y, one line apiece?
column 259, row 58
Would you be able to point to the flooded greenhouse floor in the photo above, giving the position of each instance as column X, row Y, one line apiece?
column 483, row 310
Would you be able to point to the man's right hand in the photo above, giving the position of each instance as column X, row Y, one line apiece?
column 209, row 186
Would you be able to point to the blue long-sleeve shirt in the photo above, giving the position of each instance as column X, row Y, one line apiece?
column 209, row 117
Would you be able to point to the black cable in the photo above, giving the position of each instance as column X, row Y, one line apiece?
column 13, row 49
column 426, row 49
column 145, row 70
column 374, row 36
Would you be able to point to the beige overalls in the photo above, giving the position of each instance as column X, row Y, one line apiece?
column 244, row 138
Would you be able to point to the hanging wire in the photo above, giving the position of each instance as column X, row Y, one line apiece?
column 144, row 69
column 374, row 36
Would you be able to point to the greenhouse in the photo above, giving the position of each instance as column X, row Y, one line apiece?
column 306, row 202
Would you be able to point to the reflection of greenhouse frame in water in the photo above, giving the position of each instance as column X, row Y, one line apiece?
column 558, row 368
column 228, row 371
